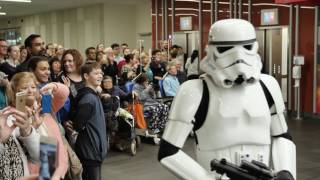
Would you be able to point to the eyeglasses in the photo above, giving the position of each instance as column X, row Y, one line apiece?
column 3, row 46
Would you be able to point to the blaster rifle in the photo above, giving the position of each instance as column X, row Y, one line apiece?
column 246, row 171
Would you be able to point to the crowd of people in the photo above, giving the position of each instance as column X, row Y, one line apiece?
column 83, row 92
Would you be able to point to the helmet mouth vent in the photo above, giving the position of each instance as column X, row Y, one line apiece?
column 239, row 80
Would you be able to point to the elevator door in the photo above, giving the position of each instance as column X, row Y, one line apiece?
column 273, row 49
column 189, row 41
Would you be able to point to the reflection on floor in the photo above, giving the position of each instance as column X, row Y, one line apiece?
column 144, row 166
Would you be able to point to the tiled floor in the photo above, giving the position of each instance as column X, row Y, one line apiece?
column 144, row 166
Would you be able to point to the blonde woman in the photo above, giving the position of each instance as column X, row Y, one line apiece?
column 44, row 123
column 17, row 136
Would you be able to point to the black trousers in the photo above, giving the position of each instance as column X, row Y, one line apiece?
column 91, row 172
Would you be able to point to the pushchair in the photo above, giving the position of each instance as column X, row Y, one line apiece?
column 121, row 128
column 142, row 131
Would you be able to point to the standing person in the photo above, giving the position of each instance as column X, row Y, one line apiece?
column 110, row 67
column 23, row 54
column 100, row 47
column 10, row 65
column 3, row 49
column 3, row 90
column 55, row 69
column 91, row 144
column 181, row 75
column 60, row 51
column 158, row 68
column 116, row 51
column 192, row 66
column 91, row 54
column 71, row 77
column 34, row 45
column 45, row 123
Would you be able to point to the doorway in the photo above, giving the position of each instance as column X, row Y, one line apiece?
column 188, row 40
column 273, row 49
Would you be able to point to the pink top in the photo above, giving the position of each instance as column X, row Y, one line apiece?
column 60, row 95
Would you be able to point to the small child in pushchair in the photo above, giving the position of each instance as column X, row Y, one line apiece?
column 120, row 123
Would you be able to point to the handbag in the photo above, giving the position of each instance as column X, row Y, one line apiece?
column 75, row 167
column 136, row 109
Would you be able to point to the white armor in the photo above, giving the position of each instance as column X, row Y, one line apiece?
column 239, row 123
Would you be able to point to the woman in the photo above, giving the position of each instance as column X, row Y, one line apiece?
column 145, row 66
column 59, row 52
column 19, row 141
column 192, row 66
column 55, row 69
column 128, row 71
column 71, row 77
column 159, row 111
column 101, row 57
column 110, row 91
column 100, row 47
column 45, row 123
column 9, row 67
column 110, row 68
column 23, row 54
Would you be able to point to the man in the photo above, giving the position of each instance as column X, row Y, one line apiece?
column 157, row 67
column 171, row 82
column 181, row 75
column 35, row 47
column 235, row 112
column 91, row 54
column 124, row 46
column 3, row 50
column 116, row 51
column 91, row 144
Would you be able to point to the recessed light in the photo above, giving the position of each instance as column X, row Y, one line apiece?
column 27, row 1
column 3, row 13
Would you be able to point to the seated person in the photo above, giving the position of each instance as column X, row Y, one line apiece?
column 171, row 82
column 158, row 111
column 109, row 91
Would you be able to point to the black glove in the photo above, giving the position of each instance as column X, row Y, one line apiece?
column 284, row 175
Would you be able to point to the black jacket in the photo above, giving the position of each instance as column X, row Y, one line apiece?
column 89, row 121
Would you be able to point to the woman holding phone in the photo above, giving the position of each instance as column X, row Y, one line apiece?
column 17, row 135
column 43, row 122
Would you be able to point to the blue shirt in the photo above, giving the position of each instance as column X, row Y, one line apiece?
column 170, row 85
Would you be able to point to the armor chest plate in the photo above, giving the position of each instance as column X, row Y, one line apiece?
column 236, row 116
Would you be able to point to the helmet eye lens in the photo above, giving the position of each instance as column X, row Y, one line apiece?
column 222, row 49
column 248, row 47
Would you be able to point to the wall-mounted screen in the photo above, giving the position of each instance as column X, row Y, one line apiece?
column 186, row 23
column 269, row 17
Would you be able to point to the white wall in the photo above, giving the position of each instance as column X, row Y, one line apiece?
column 87, row 26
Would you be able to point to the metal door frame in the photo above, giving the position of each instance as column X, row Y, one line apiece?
column 265, row 28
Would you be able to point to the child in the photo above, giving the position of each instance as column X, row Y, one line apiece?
column 89, row 121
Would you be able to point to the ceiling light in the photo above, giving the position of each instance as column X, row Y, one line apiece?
column 3, row 13
column 27, row 1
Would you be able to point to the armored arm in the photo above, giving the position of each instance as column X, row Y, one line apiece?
column 283, row 148
column 183, row 109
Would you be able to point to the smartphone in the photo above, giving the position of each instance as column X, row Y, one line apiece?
column 46, row 103
column 48, row 157
column 21, row 101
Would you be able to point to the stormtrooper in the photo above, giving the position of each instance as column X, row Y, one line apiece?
column 235, row 112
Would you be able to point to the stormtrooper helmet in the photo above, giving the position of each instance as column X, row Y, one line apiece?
column 232, row 57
